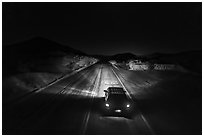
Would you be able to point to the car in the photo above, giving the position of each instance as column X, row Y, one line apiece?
column 117, row 102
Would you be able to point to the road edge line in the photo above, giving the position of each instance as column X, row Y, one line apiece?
column 61, row 78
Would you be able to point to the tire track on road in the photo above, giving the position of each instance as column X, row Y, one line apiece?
column 52, row 98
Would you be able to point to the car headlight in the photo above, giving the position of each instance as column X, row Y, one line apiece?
column 107, row 105
column 128, row 105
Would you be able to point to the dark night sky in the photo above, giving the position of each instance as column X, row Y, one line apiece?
column 107, row 28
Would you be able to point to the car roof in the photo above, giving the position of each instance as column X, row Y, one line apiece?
column 116, row 90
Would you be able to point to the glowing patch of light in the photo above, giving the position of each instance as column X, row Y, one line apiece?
column 118, row 110
column 108, row 82
column 107, row 105
column 80, row 92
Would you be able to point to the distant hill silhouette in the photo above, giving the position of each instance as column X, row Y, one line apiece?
column 34, row 51
column 122, row 57
column 38, row 46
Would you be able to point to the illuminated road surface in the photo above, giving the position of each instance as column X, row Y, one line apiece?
column 74, row 105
